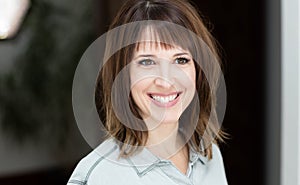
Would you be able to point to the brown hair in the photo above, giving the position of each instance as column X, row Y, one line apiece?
column 179, row 12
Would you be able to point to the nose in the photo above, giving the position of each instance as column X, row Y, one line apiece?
column 162, row 82
column 165, row 77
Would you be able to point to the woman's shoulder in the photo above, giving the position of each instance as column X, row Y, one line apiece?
column 216, row 153
column 216, row 156
column 216, row 167
column 102, row 159
column 216, row 159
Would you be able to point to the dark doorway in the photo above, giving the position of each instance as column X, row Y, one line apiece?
column 239, row 28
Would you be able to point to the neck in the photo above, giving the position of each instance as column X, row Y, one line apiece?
column 164, row 140
column 163, row 133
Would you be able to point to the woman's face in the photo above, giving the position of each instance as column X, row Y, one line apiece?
column 162, row 82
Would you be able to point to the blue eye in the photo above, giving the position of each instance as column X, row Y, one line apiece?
column 146, row 62
column 182, row 60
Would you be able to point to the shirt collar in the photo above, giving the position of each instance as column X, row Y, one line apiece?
column 194, row 156
column 145, row 161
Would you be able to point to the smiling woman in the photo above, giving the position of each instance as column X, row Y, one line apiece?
column 157, row 91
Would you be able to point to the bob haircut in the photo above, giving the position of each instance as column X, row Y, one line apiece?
column 110, row 107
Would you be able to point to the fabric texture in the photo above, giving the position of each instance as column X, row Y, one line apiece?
column 104, row 167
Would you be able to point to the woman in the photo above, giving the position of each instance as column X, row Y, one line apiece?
column 156, row 94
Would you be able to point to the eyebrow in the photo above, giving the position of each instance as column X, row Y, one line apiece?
column 177, row 54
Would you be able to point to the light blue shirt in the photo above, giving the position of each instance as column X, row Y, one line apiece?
column 103, row 167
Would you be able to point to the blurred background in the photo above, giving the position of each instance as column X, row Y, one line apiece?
column 39, row 139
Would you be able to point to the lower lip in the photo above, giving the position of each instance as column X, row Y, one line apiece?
column 166, row 105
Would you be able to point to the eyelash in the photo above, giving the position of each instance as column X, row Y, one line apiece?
column 182, row 59
column 148, row 62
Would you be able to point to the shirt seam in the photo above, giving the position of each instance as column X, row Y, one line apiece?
column 80, row 182
column 97, row 162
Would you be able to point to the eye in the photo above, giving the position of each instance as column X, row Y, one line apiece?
column 146, row 62
column 182, row 60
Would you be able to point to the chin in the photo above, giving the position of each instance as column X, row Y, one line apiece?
column 168, row 118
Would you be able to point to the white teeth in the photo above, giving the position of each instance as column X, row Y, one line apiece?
column 162, row 99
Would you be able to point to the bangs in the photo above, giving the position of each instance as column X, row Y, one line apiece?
column 161, row 36
column 153, row 45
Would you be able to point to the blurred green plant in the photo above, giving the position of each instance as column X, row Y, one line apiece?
column 36, row 95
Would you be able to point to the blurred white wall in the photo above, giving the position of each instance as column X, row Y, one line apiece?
column 290, row 123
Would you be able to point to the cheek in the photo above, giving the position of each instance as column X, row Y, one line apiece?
column 189, row 80
column 135, row 93
column 140, row 97
column 139, row 89
column 192, row 76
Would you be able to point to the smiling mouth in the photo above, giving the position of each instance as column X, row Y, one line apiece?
column 165, row 98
